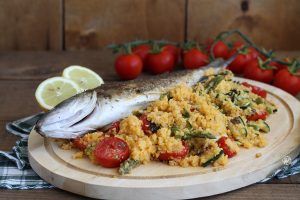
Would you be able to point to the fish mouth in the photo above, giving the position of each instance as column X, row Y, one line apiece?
column 65, row 119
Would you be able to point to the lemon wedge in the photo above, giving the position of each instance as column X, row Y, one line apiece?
column 84, row 77
column 54, row 90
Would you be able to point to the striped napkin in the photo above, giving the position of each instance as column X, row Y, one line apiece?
column 15, row 170
column 16, row 173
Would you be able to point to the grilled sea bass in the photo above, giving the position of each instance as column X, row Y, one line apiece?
column 94, row 109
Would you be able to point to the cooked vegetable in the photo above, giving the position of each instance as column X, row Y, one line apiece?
column 128, row 165
column 227, row 150
column 165, row 156
column 213, row 83
column 197, row 134
column 111, row 152
column 213, row 159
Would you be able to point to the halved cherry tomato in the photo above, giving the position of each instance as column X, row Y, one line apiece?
column 158, row 63
column 111, row 152
column 227, row 151
column 254, row 71
column 220, row 50
column 256, row 116
column 194, row 59
column 129, row 66
column 79, row 144
column 256, row 90
column 142, row 51
column 165, row 156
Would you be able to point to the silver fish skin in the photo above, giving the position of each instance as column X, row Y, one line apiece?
column 95, row 109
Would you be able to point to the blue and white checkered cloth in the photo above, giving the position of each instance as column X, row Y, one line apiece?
column 15, row 170
column 16, row 173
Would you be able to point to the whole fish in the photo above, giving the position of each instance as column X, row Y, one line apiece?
column 95, row 109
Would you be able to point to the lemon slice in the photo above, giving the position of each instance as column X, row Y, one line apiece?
column 84, row 77
column 54, row 90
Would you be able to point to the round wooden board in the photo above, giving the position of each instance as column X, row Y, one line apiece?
column 159, row 181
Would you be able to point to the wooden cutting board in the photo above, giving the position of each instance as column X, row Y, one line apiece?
column 160, row 181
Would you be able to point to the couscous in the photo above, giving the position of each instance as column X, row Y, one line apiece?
column 203, row 125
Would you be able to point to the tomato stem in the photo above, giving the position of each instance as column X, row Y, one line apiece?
column 293, row 68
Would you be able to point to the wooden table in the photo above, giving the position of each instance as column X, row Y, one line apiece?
column 20, row 74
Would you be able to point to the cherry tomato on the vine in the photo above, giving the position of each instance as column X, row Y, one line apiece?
column 254, row 71
column 142, row 51
column 287, row 81
column 165, row 156
column 111, row 152
column 175, row 51
column 194, row 59
column 128, row 66
column 220, row 50
column 158, row 63
column 239, row 63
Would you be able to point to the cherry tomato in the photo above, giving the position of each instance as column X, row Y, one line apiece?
column 79, row 144
column 239, row 63
column 165, row 156
column 111, row 152
column 129, row 66
column 287, row 81
column 255, row 72
column 114, row 127
column 158, row 63
column 142, row 51
column 278, row 66
column 254, row 54
column 194, row 59
column 256, row 90
column 208, row 43
column 256, row 116
column 175, row 51
column 220, row 50
column 238, row 44
column 227, row 151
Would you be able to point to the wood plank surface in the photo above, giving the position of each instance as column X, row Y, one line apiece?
column 30, row 25
column 258, row 191
column 270, row 23
column 93, row 24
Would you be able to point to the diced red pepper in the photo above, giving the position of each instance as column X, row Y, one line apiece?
column 256, row 90
column 165, row 156
column 227, row 151
column 256, row 116
column 145, row 124
column 114, row 127
column 79, row 144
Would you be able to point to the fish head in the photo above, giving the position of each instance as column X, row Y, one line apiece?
column 63, row 120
